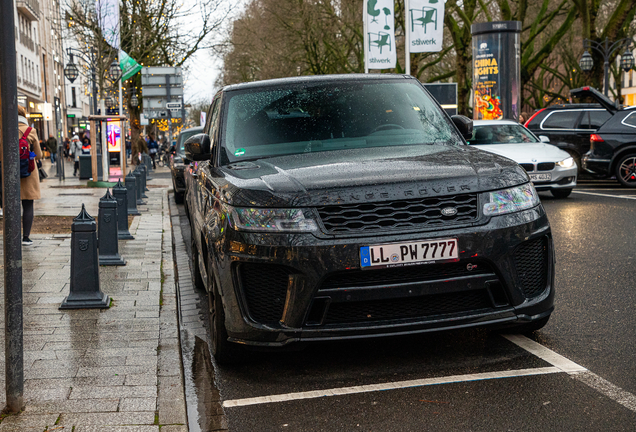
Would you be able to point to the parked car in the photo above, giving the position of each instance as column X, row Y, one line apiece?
column 177, row 163
column 550, row 168
column 569, row 126
column 613, row 149
column 348, row 206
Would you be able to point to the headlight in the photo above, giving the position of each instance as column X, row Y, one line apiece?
column 272, row 220
column 566, row 163
column 511, row 200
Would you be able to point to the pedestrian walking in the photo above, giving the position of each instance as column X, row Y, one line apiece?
column 30, row 185
column 75, row 151
column 51, row 145
column 153, row 148
column 66, row 148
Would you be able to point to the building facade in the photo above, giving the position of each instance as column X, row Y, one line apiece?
column 39, row 65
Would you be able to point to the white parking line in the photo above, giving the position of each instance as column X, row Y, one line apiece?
column 388, row 386
column 535, row 348
column 559, row 364
column 630, row 197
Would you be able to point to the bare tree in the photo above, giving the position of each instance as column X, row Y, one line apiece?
column 153, row 32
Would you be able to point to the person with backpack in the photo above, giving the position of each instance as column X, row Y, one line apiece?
column 29, row 178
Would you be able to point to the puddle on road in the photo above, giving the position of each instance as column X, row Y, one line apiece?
column 202, row 398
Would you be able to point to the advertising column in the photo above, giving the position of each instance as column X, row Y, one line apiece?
column 496, row 70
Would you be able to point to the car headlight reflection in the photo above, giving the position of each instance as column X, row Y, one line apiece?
column 511, row 200
column 566, row 163
column 272, row 220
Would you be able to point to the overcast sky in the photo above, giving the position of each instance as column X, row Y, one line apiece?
column 202, row 68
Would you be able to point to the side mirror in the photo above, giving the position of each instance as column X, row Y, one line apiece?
column 197, row 147
column 464, row 125
column 544, row 139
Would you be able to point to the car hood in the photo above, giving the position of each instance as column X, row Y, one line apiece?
column 527, row 152
column 364, row 175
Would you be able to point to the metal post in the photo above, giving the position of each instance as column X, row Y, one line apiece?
column 13, row 332
column 606, row 77
column 107, row 232
column 131, row 190
column 121, row 195
column 84, row 292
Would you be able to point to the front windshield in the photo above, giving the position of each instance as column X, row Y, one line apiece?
column 501, row 134
column 297, row 119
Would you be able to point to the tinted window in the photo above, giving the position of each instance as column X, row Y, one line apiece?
column 594, row 119
column 501, row 134
column 630, row 120
column 561, row 120
column 296, row 118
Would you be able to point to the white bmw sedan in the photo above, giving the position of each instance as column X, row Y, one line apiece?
column 549, row 167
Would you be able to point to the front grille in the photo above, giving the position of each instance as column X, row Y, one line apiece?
column 405, row 308
column 398, row 214
column 392, row 276
column 545, row 166
column 265, row 289
column 528, row 167
column 531, row 262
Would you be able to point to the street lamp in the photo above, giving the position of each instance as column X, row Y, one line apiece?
column 70, row 71
column 586, row 63
column 627, row 61
column 109, row 101
column 606, row 49
column 114, row 71
column 134, row 101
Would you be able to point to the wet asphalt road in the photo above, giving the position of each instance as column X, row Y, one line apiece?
column 594, row 325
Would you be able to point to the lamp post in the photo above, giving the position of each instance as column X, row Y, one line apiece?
column 606, row 49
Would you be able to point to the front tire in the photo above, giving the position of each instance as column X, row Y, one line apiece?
column 626, row 170
column 225, row 352
column 561, row 193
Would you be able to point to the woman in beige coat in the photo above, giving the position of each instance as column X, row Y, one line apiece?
column 29, row 186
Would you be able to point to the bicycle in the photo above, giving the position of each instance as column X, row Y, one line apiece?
column 163, row 157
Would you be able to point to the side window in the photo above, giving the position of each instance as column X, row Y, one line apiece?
column 208, row 124
column 594, row 119
column 630, row 120
column 561, row 120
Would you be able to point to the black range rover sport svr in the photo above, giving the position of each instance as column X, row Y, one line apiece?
column 335, row 207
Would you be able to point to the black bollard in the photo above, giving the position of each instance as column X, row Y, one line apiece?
column 137, row 174
column 143, row 171
column 121, row 195
column 107, row 232
column 148, row 161
column 84, row 292
column 131, row 191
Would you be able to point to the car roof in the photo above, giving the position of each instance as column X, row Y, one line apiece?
column 315, row 79
column 192, row 129
column 574, row 106
column 495, row 122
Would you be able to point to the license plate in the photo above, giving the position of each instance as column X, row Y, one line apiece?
column 541, row 177
column 402, row 254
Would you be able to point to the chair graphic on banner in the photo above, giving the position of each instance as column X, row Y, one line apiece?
column 426, row 16
column 380, row 39
column 371, row 10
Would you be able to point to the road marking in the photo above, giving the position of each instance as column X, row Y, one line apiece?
column 389, row 386
column 544, row 353
column 608, row 389
column 631, row 197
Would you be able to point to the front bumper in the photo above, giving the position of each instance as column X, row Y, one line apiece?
column 278, row 289
column 561, row 178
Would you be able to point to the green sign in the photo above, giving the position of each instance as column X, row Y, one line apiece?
column 129, row 66
column 70, row 115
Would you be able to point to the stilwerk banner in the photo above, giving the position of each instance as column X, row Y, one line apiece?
column 379, row 34
column 426, row 21
column 108, row 19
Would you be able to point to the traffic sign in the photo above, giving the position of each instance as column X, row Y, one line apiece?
column 173, row 105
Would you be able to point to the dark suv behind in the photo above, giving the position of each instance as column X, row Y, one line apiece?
column 569, row 126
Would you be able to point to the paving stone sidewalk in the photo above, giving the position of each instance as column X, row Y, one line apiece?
column 101, row 370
